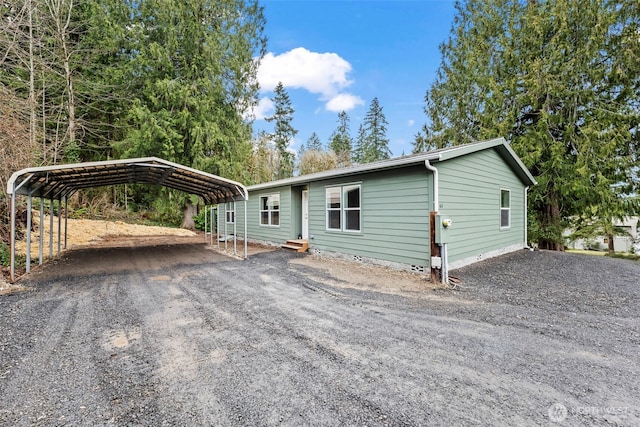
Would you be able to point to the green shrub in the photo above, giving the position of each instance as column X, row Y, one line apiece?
column 199, row 220
column 5, row 254
column 5, row 257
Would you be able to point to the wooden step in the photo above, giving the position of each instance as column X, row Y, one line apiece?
column 297, row 245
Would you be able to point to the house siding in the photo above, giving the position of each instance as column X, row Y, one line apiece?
column 394, row 214
column 395, row 204
column 274, row 234
column 470, row 195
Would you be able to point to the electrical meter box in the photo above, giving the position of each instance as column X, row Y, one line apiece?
column 443, row 229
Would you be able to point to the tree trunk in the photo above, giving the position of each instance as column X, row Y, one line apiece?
column 32, row 84
column 611, row 247
column 551, row 221
column 187, row 219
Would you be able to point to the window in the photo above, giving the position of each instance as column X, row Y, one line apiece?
column 231, row 213
column 343, row 208
column 270, row 210
column 334, row 196
column 352, row 208
column 505, row 208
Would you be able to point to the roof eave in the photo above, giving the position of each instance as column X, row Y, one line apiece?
column 433, row 156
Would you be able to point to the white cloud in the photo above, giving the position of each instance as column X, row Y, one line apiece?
column 325, row 74
column 411, row 123
column 263, row 109
column 343, row 102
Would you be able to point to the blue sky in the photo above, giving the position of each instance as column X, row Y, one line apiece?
column 335, row 55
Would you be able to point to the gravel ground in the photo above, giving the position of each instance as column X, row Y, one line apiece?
column 530, row 338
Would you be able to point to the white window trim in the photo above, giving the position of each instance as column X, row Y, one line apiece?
column 508, row 209
column 343, row 209
column 270, row 211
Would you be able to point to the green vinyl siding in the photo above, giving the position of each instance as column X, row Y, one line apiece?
column 470, row 188
column 256, row 231
column 394, row 210
column 394, row 222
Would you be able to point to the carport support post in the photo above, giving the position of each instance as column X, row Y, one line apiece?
column 66, row 215
column 59, row 224
column 13, row 237
column 205, row 224
column 217, row 228
column 225, row 225
column 211, row 225
column 51, row 228
column 41, row 230
column 235, row 229
column 28, row 254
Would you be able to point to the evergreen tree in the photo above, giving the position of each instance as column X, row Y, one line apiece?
column 372, row 143
column 192, row 67
column 561, row 81
column 284, row 131
column 265, row 160
column 341, row 142
column 361, row 142
column 314, row 143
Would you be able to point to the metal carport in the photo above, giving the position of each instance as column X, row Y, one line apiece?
column 61, row 181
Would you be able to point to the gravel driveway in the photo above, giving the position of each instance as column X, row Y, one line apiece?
column 531, row 338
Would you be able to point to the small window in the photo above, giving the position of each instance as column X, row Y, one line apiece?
column 231, row 213
column 505, row 208
column 344, row 208
column 270, row 210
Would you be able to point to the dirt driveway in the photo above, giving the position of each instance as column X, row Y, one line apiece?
column 182, row 335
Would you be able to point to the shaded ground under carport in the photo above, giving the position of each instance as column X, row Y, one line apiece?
column 114, row 254
column 280, row 339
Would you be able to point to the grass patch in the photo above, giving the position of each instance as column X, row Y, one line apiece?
column 620, row 255
column 625, row 255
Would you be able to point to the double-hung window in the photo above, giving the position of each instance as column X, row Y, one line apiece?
column 343, row 204
column 505, row 208
column 231, row 212
column 270, row 210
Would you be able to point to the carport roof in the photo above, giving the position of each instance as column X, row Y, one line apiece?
column 54, row 182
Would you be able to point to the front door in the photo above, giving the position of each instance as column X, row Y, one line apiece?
column 305, row 214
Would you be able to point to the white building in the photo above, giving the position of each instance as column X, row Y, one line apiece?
column 620, row 243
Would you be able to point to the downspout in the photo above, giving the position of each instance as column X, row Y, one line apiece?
column 430, row 167
column 436, row 202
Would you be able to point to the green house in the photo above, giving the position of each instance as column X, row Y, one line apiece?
column 439, row 209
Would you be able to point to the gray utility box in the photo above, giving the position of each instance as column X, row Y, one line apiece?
column 443, row 227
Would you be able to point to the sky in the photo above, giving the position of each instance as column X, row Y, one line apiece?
column 335, row 55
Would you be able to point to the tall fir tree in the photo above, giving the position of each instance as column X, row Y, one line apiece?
column 314, row 143
column 283, row 131
column 560, row 80
column 372, row 143
column 341, row 142
column 193, row 66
